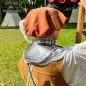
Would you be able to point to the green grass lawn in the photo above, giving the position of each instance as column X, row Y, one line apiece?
column 12, row 45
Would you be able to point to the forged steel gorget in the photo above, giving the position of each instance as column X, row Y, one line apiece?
column 42, row 52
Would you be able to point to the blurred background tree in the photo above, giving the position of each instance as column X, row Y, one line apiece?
column 20, row 6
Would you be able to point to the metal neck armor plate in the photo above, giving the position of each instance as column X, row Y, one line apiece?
column 41, row 51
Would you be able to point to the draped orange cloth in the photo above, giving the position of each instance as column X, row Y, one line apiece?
column 43, row 21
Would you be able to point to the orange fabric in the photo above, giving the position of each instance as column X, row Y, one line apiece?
column 49, row 75
column 43, row 21
column 83, row 2
column 23, row 68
